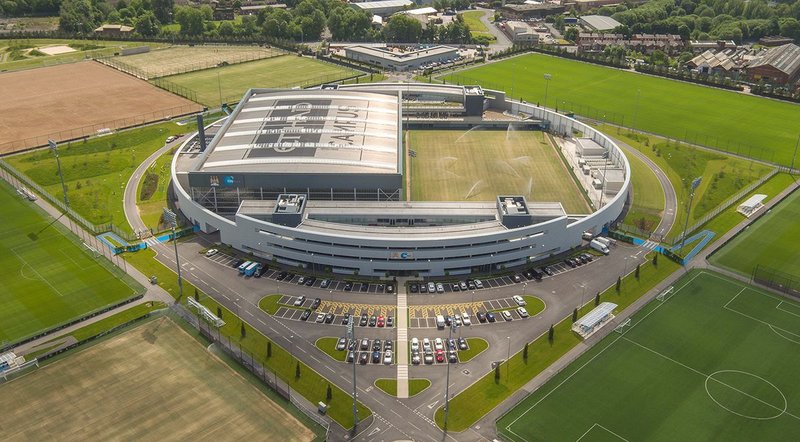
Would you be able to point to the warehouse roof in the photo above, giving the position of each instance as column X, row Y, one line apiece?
column 600, row 22
column 784, row 58
column 368, row 6
column 308, row 131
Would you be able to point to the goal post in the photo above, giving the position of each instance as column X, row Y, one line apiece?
column 663, row 296
column 93, row 250
column 623, row 326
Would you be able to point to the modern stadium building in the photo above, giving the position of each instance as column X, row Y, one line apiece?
column 314, row 179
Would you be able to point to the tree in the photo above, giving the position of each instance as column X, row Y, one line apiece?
column 269, row 349
column 190, row 19
column 659, row 58
column 78, row 16
column 402, row 28
column 196, row 295
column 619, row 283
column 655, row 260
column 163, row 10
column 497, row 373
column 525, row 352
column 597, row 299
column 551, row 333
column 329, row 393
column 242, row 330
column 575, row 315
column 790, row 27
column 226, row 29
column 297, row 370
column 571, row 34
column 219, row 312
column 637, row 271
column 147, row 24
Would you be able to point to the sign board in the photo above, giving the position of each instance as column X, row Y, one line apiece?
column 52, row 144
column 401, row 255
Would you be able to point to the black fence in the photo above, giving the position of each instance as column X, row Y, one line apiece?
column 776, row 279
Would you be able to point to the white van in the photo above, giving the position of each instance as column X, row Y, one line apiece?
column 440, row 322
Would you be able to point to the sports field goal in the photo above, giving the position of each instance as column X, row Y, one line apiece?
column 663, row 296
column 623, row 326
column 205, row 313
column 92, row 250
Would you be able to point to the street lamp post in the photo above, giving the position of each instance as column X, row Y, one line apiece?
column 447, row 381
column 791, row 169
column 583, row 294
column 636, row 109
column 170, row 216
column 54, row 147
column 695, row 184
column 351, row 334
column 508, row 358
column 547, row 78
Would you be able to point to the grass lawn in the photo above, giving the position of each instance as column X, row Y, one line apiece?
column 152, row 202
column 481, row 397
column 478, row 165
column 180, row 59
column 723, row 176
column 97, row 171
column 476, row 26
column 715, row 361
column 648, row 198
column 46, row 276
column 271, row 305
column 675, row 109
column 234, row 80
column 328, row 345
column 771, row 241
column 22, row 54
column 415, row 386
column 117, row 395
column 475, row 346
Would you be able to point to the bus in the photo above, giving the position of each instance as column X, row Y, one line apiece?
column 244, row 266
column 251, row 269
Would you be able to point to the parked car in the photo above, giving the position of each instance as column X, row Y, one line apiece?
column 316, row 303
column 490, row 317
column 329, row 318
column 507, row 315
column 211, row 252
column 381, row 321
column 389, row 288
column 518, row 299
column 431, row 287
column 426, row 344
column 376, row 357
column 439, row 355
column 414, row 344
column 364, row 344
column 517, row 278
column 299, row 301
column 414, row 288
column 320, row 318
column 471, row 284
column 522, row 312
column 451, row 356
column 547, row 271
column 481, row 317
column 429, row 357
column 281, row 276
column 373, row 320
column 387, row 345
column 305, row 315
column 415, row 359
column 350, row 356
column 465, row 318
column 390, row 321
column 237, row 263
column 478, row 284
column 346, row 318
column 438, row 344
column 439, row 288
column 310, row 281
column 376, row 345
column 569, row 263
column 423, row 288
column 364, row 287
column 363, row 321
column 387, row 357
column 451, row 344
column 348, row 286
column 363, row 358
column 454, row 287
column 462, row 285
column 462, row 344
column 324, row 283
column 301, row 280
column 341, row 344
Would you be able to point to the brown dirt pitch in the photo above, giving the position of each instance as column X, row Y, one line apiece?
column 153, row 382
column 77, row 99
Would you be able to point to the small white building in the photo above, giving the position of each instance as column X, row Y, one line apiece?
column 400, row 61
column 752, row 205
column 595, row 319
column 521, row 32
column 383, row 8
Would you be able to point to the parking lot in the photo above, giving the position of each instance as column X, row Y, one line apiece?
column 369, row 351
column 432, row 351
column 424, row 316
column 338, row 309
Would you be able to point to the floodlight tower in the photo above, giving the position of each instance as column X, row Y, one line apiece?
column 54, row 148
column 172, row 218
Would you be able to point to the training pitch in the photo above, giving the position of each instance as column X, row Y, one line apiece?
column 77, row 99
column 153, row 382
column 180, row 59
column 771, row 241
column 478, row 165
column 716, row 360
column 699, row 114
column 231, row 82
column 46, row 276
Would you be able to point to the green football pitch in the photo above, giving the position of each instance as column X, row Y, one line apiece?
column 47, row 277
column 716, row 360
column 771, row 241
column 478, row 165
column 231, row 82
column 734, row 122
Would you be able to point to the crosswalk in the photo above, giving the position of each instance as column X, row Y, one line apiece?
column 151, row 241
column 650, row 245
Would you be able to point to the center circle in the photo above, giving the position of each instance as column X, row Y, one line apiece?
column 745, row 394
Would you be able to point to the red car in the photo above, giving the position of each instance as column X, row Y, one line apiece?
column 381, row 321
column 439, row 355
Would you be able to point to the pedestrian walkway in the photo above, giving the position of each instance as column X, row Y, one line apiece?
column 652, row 245
column 402, row 341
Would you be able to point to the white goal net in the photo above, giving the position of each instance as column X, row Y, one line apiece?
column 663, row 296
column 623, row 326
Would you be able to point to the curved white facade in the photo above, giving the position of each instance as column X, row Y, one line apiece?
column 444, row 250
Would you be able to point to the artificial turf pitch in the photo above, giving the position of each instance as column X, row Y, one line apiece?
column 771, row 241
column 46, row 276
column 717, row 360
column 739, row 123
column 478, row 165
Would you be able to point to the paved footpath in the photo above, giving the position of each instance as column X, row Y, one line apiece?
column 401, row 350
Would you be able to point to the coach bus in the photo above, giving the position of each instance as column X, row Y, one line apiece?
column 243, row 267
column 251, row 269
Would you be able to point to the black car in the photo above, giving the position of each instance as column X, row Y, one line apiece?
column 588, row 257
column 315, row 304
column 423, row 288
column 481, row 316
column 261, row 271
column 348, row 286
column 363, row 321
column 281, row 276
column 537, row 275
column 390, row 321
column 346, row 318
column 351, row 345
column 289, row 277
column 490, row 317
column 451, row 357
column 376, row 357
column 582, row 259
column 414, row 288
column 528, row 275
column 305, row 315
column 237, row 263
column 363, row 358
column 387, row 344
column 448, row 320
column 471, row 284
column 569, row 263
column 380, row 288
column 547, row 271
column 373, row 320
column 310, row 281
column 364, row 287
column 328, row 318
column 376, row 345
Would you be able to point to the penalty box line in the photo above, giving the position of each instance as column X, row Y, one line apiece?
column 774, row 327
column 621, row 335
column 604, row 428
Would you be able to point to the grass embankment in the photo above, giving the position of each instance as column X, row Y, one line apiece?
column 230, row 82
column 722, row 175
column 415, row 386
column 648, row 197
column 328, row 346
column 271, row 305
column 310, row 384
column 476, row 27
column 475, row 346
column 97, row 170
column 481, row 397
column 698, row 114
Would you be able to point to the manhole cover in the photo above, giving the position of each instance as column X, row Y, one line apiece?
column 465, row 371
